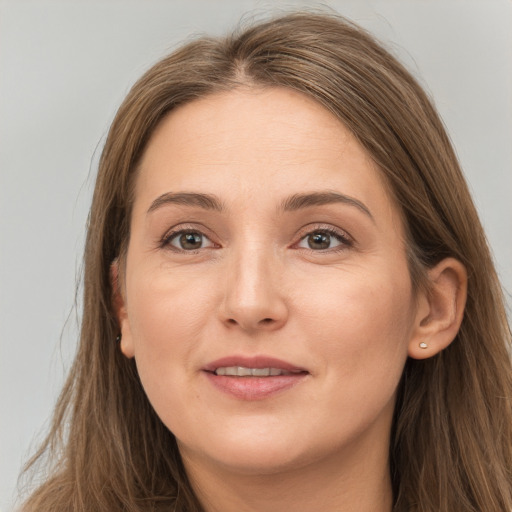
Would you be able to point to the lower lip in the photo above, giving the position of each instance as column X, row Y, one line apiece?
column 254, row 388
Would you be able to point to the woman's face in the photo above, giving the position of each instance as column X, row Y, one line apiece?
column 263, row 237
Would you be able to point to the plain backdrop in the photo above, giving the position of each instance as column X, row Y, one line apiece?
column 65, row 67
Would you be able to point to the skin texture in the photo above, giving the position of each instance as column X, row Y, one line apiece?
column 347, row 314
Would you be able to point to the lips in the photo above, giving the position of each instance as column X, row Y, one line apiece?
column 252, row 362
column 253, row 378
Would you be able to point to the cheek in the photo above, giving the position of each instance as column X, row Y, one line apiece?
column 164, row 304
column 358, row 330
column 167, row 315
column 361, row 324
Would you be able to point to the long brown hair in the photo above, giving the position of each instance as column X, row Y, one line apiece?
column 451, row 437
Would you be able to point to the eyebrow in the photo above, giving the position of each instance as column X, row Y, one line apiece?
column 205, row 201
column 293, row 203
column 299, row 201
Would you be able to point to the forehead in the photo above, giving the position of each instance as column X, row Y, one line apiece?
column 256, row 143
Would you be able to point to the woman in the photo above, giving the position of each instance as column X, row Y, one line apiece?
column 306, row 312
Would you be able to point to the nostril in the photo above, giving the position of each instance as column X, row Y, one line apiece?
column 267, row 321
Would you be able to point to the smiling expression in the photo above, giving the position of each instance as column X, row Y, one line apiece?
column 264, row 241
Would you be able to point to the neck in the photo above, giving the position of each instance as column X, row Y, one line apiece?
column 343, row 482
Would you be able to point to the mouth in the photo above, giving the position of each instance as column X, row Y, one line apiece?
column 253, row 378
column 242, row 371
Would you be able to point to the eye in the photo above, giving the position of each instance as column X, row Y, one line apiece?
column 188, row 240
column 324, row 239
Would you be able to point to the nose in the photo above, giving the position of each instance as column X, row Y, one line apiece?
column 254, row 298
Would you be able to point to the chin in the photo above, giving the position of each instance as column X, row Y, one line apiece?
column 256, row 461
column 256, row 452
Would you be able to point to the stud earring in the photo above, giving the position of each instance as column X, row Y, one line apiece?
column 423, row 345
column 118, row 338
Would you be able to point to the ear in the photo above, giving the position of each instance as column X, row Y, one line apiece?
column 440, row 309
column 119, row 304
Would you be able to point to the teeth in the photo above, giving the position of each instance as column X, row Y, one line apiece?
column 260, row 372
column 242, row 371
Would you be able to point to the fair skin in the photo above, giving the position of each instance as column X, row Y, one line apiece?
column 292, row 251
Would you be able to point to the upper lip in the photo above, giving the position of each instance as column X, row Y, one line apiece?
column 252, row 362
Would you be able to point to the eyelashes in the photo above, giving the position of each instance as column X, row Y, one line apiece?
column 314, row 239
column 187, row 240
column 325, row 239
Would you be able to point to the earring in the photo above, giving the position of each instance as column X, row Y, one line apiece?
column 118, row 338
column 423, row 345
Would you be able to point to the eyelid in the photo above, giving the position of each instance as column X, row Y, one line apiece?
column 346, row 240
column 165, row 241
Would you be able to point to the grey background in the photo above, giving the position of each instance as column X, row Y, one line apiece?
column 64, row 68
